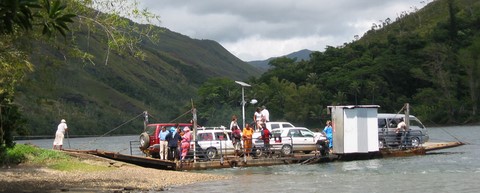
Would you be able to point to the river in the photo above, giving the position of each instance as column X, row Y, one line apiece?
column 449, row 170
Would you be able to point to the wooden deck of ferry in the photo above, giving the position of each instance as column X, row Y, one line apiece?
column 230, row 161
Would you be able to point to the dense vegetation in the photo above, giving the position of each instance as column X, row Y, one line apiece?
column 97, row 85
column 428, row 58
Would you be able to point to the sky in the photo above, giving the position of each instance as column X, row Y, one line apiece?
column 260, row 29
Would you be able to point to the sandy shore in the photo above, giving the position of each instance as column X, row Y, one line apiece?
column 123, row 178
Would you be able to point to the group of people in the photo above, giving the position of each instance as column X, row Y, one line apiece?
column 247, row 136
column 260, row 117
column 173, row 141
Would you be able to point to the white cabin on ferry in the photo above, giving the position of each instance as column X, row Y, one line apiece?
column 355, row 129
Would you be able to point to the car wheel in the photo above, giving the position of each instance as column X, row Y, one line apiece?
column 381, row 143
column 286, row 150
column 257, row 152
column 211, row 153
column 415, row 142
column 144, row 141
column 307, row 152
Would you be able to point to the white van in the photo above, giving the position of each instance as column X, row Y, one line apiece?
column 387, row 123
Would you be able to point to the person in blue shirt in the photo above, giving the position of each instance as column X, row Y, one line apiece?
column 173, row 139
column 329, row 133
column 162, row 136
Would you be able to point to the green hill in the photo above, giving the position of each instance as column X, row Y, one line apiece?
column 428, row 58
column 97, row 98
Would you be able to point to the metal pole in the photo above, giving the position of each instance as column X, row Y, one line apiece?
column 194, row 111
column 145, row 121
column 243, row 108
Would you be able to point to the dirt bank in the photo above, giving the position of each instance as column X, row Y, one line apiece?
column 123, row 177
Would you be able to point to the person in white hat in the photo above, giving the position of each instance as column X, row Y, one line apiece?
column 59, row 135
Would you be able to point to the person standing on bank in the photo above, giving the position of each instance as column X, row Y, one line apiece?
column 59, row 135
column 163, row 143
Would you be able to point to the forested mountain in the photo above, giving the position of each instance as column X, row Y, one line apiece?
column 299, row 55
column 95, row 97
column 428, row 58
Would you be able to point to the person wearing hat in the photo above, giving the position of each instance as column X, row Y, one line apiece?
column 173, row 138
column 187, row 137
column 59, row 135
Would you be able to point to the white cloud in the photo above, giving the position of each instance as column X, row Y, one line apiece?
column 257, row 30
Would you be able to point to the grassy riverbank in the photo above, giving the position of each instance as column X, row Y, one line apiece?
column 27, row 168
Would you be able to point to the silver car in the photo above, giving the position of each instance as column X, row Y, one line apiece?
column 294, row 139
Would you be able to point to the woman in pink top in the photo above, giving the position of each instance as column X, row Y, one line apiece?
column 187, row 137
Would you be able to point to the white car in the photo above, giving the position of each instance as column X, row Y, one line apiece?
column 215, row 141
column 292, row 139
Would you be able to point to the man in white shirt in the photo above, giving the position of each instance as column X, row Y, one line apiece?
column 59, row 135
column 265, row 114
column 401, row 131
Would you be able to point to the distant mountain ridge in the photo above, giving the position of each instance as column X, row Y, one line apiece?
column 300, row 55
column 96, row 98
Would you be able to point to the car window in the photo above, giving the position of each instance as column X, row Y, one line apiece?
column 294, row 133
column 286, row 125
column 392, row 123
column 415, row 122
column 205, row 137
column 306, row 133
column 151, row 129
column 277, row 132
column 221, row 136
column 382, row 123
column 275, row 126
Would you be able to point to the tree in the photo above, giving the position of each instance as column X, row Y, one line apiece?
column 17, row 18
column 23, row 22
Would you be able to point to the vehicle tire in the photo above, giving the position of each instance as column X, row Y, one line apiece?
column 286, row 150
column 415, row 142
column 381, row 143
column 211, row 153
column 144, row 141
column 307, row 152
column 257, row 152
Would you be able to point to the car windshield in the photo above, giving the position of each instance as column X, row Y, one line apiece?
column 294, row 133
column 306, row 133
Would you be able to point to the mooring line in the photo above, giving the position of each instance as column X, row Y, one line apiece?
column 90, row 142
column 452, row 135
